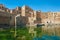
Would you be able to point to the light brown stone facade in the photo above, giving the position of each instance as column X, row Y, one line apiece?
column 38, row 17
column 4, row 19
column 26, row 11
column 3, row 8
column 29, row 15
column 51, row 17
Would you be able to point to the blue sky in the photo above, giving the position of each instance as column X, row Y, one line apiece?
column 43, row 5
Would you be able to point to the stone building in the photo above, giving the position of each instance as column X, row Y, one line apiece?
column 4, row 19
column 50, row 17
column 47, row 17
column 29, row 16
column 57, row 17
column 26, row 11
column 4, row 9
column 17, row 10
column 38, row 17
column 22, row 21
column 13, row 13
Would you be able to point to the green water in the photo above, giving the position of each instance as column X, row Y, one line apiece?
column 23, row 34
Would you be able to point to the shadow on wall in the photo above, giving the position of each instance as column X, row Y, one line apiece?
column 4, row 26
column 22, row 21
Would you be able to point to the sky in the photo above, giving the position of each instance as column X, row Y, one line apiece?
column 43, row 5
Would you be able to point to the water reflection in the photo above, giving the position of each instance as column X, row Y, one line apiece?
column 47, row 32
column 53, row 29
